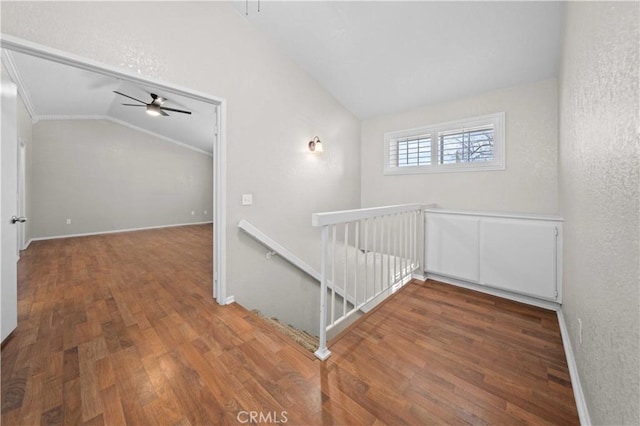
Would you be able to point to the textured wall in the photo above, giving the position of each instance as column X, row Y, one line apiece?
column 106, row 177
column 529, row 183
column 274, row 109
column 599, row 187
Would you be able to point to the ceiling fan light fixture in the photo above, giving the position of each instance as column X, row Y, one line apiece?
column 153, row 109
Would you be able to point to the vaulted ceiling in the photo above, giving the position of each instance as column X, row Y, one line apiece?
column 375, row 57
column 382, row 57
column 58, row 91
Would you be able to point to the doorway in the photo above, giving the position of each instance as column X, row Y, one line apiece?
column 217, row 137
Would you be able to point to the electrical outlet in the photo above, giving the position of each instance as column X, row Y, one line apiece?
column 68, row 221
column 193, row 213
column 247, row 199
column 580, row 330
column 205, row 212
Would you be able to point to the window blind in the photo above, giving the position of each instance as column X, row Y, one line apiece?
column 466, row 145
column 470, row 144
column 413, row 151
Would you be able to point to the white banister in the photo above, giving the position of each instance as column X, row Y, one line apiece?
column 343, row 216
column 383, row 257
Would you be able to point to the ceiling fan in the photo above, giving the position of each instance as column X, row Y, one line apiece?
column 155, row 107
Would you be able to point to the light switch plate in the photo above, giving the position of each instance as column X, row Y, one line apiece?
column 247, row 199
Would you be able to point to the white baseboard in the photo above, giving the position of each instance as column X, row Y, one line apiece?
column 26, row 246
column 115, row 231
column 230, row 300
column 581, row 403
column 418, row 276
column 540, row 303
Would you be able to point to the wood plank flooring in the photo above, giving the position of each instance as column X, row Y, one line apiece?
column 121, row 329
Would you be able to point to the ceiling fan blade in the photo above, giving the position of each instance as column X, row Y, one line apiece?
column 130, row 97
column 133, row 105
column 176, row 110
column 163, row 113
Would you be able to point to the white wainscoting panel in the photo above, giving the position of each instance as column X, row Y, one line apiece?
column 452, row 246
column 519, row 255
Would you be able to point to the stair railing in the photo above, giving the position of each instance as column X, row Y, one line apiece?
column 367, row 254
column 279, row 249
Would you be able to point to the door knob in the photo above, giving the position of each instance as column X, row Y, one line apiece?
column 15, row 219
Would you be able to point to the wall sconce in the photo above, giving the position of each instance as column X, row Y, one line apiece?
column 315, row 145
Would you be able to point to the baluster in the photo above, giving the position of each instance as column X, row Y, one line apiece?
column 398, row 247
column 356, row 265
column 414, row 244
column 417, row 238
column 346, row 262
column 365, row 226
column 389, row 226
column 405, row 240
column 382, row 221
column 395, row 246
column 411, row 238
column 374, row 251
column 416, row 215
column 333, row 275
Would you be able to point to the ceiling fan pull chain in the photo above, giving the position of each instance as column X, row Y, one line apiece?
column 246, row 7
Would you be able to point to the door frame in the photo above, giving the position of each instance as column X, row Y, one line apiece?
column 219, row 139
column 22, row 193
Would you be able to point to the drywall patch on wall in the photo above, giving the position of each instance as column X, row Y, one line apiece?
column 599, row 200
column 104, row 177
column 529, row 182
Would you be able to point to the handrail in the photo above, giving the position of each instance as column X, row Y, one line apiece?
column 341, row 216
column 279, row 249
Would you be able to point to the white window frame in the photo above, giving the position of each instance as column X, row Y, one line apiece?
column 498, row 162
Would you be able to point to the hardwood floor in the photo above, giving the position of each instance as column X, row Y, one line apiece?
column 122, row 329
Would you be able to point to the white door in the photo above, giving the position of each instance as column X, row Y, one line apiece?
column 8, row 207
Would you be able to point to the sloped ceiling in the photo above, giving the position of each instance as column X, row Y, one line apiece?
column 57, row 91
column 380, row 57
column 375, row 57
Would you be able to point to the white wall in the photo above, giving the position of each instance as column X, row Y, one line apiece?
column 107, row 177
column 529, row 183
column 599, row 185
column 274, row 109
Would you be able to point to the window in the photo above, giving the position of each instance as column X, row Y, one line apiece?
column 466, row 145
column 415, row 151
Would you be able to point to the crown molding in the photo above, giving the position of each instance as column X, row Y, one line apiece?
column 10, row 64
column 121, row 123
